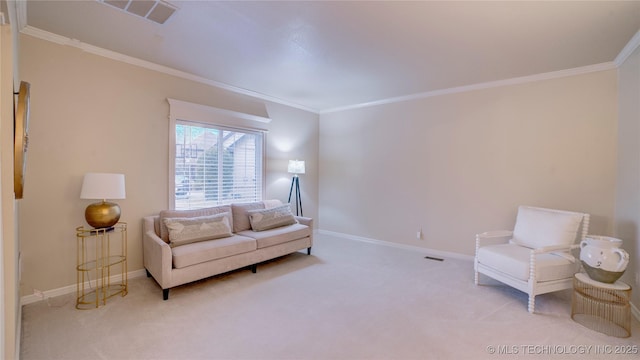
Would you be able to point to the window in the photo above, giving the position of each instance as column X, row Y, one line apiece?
column 214, row 164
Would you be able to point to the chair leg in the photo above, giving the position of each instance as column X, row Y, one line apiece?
column 308, row 251
column 165, row 294
column 532, row 303
column 475, row 280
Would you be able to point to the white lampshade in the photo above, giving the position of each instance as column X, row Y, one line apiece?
column 103, row 186
column 296, row 166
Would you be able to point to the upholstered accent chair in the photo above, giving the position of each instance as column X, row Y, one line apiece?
column 536, row 257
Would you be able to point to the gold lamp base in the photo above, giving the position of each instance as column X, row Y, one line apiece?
column 102, row 214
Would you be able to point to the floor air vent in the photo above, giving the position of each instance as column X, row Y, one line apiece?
column 433, row 258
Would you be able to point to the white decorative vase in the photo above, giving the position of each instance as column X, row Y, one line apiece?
column 602, row 258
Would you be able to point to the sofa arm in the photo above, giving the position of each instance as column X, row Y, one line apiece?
column 309, row 222
column 156, row 254
column 305, row 221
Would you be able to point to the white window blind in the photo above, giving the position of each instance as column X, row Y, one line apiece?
column 216, row 165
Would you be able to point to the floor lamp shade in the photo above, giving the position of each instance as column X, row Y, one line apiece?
column 102, row 186
column 296, row 167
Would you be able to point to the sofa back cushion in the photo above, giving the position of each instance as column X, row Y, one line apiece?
column 164, row 231
column 269, row 204
column 538, row 227
column 241, row 214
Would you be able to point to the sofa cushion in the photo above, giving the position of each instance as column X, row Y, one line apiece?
column 164, row 232
column 208, row 250
column 278, row 235
column 536, row 227
column 514, row 260
column 266, row 219
column 268, row 204
column 189, row 230
column 241, row 214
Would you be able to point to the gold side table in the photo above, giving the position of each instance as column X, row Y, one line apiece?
column 600, row 306
column 101, row 266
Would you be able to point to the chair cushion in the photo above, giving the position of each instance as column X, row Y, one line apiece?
column 164, row 231
column 204, row 251
column 265, row 219
column 537, row 227
column 278, row 235
column 513, row 260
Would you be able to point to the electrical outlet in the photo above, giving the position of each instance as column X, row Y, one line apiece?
column 419, row 234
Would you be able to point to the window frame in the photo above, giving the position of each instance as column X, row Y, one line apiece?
column 181, row 112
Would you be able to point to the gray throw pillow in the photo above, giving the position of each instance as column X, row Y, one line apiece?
column 271, row 218
column 164, row 214
column 184, row 231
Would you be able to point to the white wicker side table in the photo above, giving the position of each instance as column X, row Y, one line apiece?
column 600, row 306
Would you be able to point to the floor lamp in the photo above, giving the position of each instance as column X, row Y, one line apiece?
column 296, row 167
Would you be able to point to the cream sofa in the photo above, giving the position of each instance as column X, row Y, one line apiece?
column 172, row 261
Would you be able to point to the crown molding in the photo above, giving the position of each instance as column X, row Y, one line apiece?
column 63, row 40
column 21, row 14
column 482, row 86
column 17, row 14
column 631, row 46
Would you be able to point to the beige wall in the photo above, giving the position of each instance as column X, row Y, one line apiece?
column 451, row 165
column 90, row 113
column 291, row 140
column 628, row 182
column 459, row 164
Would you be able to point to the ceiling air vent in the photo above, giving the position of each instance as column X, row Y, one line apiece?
column 157, row 11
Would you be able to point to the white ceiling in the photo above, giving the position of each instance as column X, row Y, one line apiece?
column 324, row 55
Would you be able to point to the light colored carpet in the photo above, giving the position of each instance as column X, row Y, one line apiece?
column 349, row 300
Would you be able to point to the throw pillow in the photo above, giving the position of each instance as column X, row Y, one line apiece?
column 271, row 218
column 184, row 231
column 164, row 232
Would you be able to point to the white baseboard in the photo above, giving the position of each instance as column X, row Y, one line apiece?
column 426, row 251
column 444, row 254
column 29, row 299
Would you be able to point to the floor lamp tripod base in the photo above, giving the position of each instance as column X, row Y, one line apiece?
column 295, row 182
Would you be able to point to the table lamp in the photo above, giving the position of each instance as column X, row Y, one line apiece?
column 102, row 186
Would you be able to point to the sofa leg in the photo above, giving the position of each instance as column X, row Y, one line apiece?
column 254, row 268
column 165, row 294
column 309, row 251
column 148, row 273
